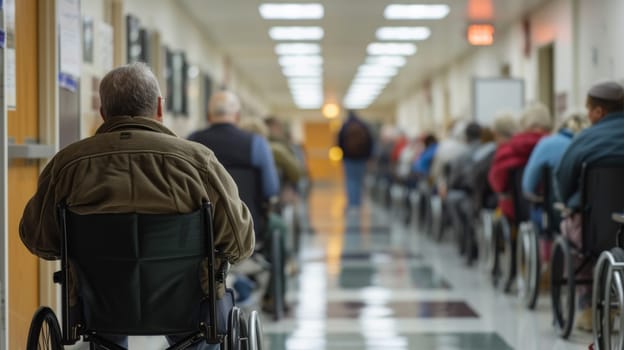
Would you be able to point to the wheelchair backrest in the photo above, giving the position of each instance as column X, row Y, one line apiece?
column 249, row 183
column 550, row 198
column 602, row 194
column 138, row 274
column 522, row 207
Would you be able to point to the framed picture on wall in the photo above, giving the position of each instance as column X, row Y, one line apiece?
column 87, row 40
column 176, row 75
column 169, row 78
column 208, row 86
column 137, row 40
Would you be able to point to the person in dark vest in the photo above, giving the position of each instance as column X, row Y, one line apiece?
column 247, row 157
column 356, row 142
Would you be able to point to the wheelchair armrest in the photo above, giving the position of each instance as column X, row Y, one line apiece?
column 618, row 217
column 565, row 211
column 57, row 277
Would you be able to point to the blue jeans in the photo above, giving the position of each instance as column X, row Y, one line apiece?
column 354, row 177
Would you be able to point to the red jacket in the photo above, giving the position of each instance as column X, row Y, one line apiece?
column 512, row 154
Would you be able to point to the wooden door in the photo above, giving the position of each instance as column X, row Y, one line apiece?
column 320, row 137
column 23, row 123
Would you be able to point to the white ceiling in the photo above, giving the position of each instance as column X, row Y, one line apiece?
column 350, row 26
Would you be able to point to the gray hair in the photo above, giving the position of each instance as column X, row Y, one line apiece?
column 224, row 105
column 537, row 116
column 505, row 124
column 130, row 90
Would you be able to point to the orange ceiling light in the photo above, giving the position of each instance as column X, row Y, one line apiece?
column 480, row 34
column 480, row 10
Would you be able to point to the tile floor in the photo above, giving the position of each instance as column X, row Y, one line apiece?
column 368, row 282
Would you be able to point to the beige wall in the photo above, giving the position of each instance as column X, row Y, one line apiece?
column 423, row 109
column 178, row 31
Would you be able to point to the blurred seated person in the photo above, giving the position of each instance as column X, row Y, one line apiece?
column 536, row 123
column 135, row 164
column 409, row 154
column 422, row 165
column 548, row 153
column 604, row 139
column 457, row 191
column 248, row 159
column 448, row 150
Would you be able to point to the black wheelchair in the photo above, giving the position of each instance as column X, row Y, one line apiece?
column 608, row 294
column 139, row 274
column 529, row 261
column 505, row 235
column 601, row 195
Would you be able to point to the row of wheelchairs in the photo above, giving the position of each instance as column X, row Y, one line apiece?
column 139, row 275
column 510, row 251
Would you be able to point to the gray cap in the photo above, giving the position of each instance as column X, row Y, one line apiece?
column 607, row 90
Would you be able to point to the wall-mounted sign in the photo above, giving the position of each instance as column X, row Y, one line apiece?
column 480, row 34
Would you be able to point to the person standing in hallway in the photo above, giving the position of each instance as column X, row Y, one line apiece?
column 356, row 141
column 135, row 164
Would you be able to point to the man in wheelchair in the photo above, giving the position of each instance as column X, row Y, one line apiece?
column 134, row 165
column 603, row 141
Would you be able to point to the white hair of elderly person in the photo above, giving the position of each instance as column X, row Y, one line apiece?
column 449, row 149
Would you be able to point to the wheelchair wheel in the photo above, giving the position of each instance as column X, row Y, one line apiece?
column 613, row 305
column 486, row 234
column 562, row 287
column 508, row 256
column 528, row 264
column 254, row 332
column 45, row 332
column 495, row 260
column 277, row 272
column 235, row 330
column 599, row 307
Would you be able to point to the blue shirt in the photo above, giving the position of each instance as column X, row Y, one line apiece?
column 603, row 140
column 262, row 158
column 424, row 162
column 548, row 153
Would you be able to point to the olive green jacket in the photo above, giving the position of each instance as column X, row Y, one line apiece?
column 135, row 164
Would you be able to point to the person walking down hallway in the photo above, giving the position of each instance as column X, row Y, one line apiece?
column 356, row 142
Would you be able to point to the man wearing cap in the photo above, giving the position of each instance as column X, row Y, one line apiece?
column 604, row 139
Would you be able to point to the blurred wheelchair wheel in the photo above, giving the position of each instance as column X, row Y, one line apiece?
column 254, row 332
column 45, row 332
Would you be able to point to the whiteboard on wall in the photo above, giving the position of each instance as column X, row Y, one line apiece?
column 492, row 96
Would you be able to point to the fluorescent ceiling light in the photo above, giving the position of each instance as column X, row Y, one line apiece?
column 405, row 11
column 306, row 80
column 366, row 68
column 296, row 33
column 404, row 49
column 291, row 11
column 403, row 33
column 394, row 61
column 298, row 49
column 371, row 80
column 295, row 60
column 304, row 71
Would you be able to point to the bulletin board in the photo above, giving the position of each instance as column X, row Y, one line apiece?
column 492, row 96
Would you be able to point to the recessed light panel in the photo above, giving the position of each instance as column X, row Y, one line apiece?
column 412, row 11
column 298, row 49
column 291, row 11
column 403, row 33
column 296, row 33
column 297, row 60
column 403, row 49
column 392, row 61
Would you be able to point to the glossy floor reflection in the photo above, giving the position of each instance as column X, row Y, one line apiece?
column 368, row 282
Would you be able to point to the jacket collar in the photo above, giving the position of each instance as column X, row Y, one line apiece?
column 610, row 116
column 126, row 122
